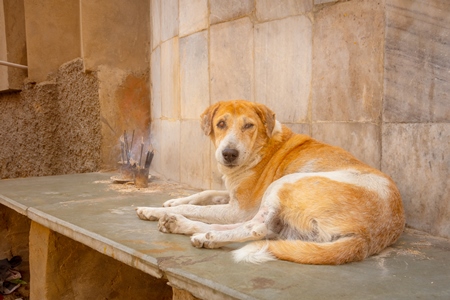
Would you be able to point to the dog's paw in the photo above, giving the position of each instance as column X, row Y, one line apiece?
column 148, row 213
column 204, row 240
column 172, row 223
column 176, row 202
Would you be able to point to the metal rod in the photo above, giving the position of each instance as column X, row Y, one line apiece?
column 13, row 65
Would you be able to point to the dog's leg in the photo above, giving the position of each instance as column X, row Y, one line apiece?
column 212, row 214
column 173, row 223
column 210, row 197
column 263, row 225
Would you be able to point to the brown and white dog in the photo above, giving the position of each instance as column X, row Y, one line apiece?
column 298, row 199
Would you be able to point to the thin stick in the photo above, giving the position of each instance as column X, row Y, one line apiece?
column 142, row 149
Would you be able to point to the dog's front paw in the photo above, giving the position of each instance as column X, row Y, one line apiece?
column 204, row 240
column 176, row 202
column 172, row 223
column 149, row 213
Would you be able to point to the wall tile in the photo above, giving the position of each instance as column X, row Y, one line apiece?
column 155, row 84
column 271, row 10
column 169, row 19
column 170, row 79
column 360, row 139
column 193, row 16
column 348, row 62
column 417, row 158
column 170, row 149
column 222, row 11
column 156, row 137
column 155, row 11
column 195, row 167
column 231, row 60
column 417, row 82
column 300, row 128
column 283, row 67
column 194, row 75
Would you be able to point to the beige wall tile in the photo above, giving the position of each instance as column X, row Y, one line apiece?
column 417, row 80
column 170, row 149
column 194, row 75
column 194, row 16
column 155, row 73
column 283, row 67
column 231, row 60
column 360, row 139
column 170, row 79
column 222, row 11
column 348, row 62
column 169, row 19
column 300, row 128
column 195, row 159
column 417, row 158
column 156, row 140
column 155, row 29
column 271, row 10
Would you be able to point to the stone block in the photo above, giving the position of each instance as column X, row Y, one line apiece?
column 170, row 79
column 193, row 16
column 417, row 63
column 155, row 11
column 169, row 19
column 155, row 78
column 194, row 75
column 222, row 11
column 300, row 128
column 83, row 272
column 348, row 62
column 283, row 67
column 272, row 10
column 106, row 34
column 53, row 40
column 170, row 149
column 156, row 138
column 417, row 158
column 195, row 154
column 231, row 57
column 360, row 139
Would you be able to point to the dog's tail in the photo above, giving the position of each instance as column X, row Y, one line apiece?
column 338, row 252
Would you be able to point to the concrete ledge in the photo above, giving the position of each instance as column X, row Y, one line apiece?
column 73, row 214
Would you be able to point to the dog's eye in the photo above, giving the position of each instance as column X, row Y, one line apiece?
column 248, row 126
column 221, row 124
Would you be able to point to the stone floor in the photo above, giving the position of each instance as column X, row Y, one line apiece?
column 91, row 210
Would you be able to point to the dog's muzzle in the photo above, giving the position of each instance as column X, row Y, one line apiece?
column 230, row 155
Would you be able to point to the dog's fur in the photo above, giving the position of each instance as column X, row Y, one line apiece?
column 298, row 199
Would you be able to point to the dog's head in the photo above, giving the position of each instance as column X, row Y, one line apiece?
column 239, row 129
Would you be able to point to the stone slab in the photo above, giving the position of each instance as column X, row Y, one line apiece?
column 283, row 67
column 417, row 158
column 267, row 10
column 222, row 11
column 231, row 60
column 347, row 82
column 417, row 63
column 194, row 16
column 418, row 265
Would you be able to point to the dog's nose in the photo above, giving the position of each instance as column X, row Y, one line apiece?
column 230, row 155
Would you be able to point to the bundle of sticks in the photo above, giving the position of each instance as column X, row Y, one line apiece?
column 130, row 168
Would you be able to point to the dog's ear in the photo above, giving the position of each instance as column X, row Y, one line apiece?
column 267, row 117
column 207, row 118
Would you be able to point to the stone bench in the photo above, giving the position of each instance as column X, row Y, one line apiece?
column 85, row 242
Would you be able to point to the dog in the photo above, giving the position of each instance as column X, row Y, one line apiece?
column 295, row 198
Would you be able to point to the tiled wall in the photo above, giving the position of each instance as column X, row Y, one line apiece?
column 369, row 76
column 416, row 110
